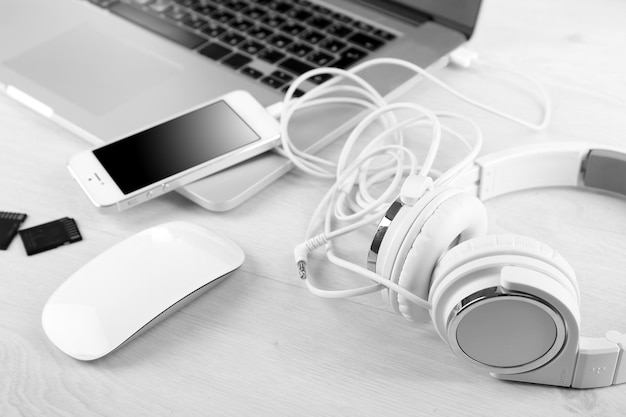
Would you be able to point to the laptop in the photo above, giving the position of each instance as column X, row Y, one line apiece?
column 105, row 68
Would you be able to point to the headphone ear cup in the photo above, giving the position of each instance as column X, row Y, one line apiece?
column 483, row 322
column 505, row 244
column 456, row 219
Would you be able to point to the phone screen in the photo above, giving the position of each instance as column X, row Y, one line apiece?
column 174, row 146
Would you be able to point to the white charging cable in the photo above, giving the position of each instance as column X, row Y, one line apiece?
column 464, row 58
column 356, row 200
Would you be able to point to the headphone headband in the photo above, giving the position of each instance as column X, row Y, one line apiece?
column 559, row 164
column 556, row 164
column 578, row 362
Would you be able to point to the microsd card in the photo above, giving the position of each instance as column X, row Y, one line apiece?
column 9, row 225
column 50, row 235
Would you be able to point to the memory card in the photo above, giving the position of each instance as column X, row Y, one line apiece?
column 50, row 235
column 9, row 225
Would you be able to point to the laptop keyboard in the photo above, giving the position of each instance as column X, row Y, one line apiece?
column 272, row 41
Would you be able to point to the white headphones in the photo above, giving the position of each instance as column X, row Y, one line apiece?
column 507, row 303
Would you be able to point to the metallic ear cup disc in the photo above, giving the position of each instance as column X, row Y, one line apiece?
column 504, row 331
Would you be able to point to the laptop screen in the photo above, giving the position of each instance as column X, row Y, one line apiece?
column 457, row 14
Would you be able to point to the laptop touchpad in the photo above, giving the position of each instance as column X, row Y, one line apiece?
column 91, row 69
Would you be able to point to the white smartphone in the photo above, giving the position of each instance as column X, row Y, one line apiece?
column 190, row 146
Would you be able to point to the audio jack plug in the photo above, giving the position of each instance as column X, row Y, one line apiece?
column 302, row 269
column 300, row 253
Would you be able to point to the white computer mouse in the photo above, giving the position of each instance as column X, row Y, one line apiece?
column 134, row 285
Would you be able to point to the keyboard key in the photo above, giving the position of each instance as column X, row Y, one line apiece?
column 312, row 36
column 222, row 16
column 237, row 60
column 333, row 45
column 299, row 15
column 321, row 59
column 320, row 78
column 299, row 49
column 251, row 47
column 342, row 17
column 158, row 25
column 319, row 22
column 236, row 5
column 366, row 41
column 232, row 38
column 384, row 34
column 279, row 41
column 204, row 10
column 215, row 51
column 176, row 13
column 321, row 9
column 185, row 3
column 254, row 13
column 349, row 57
column 295, row 65
column 260, row 32
column 193, row 22
column 365, row 27
column 297, row 93
column 213, row 30
column 271, row 55
column 280, row 7
column 292, row 28
column 241, row 24
column 272, row 82
column 273, row 21
column 282, row 75
column 339, row 30
column 252, row 72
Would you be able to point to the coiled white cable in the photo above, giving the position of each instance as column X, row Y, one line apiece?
column 351, row 202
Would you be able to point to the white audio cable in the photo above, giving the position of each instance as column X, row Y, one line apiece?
column 355, row 200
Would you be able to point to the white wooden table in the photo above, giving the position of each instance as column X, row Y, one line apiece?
column 260, row 343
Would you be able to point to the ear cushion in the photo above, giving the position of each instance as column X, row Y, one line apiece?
column 461, row 216
column 474, row 266
column 493, row 245
column 398, row 236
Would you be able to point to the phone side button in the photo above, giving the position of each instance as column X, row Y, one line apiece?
column 133, row 201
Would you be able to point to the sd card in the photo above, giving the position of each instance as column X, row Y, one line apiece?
column 9, row 225
column 50, row 235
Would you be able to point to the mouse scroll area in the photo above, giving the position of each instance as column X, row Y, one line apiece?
column 134, row 285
